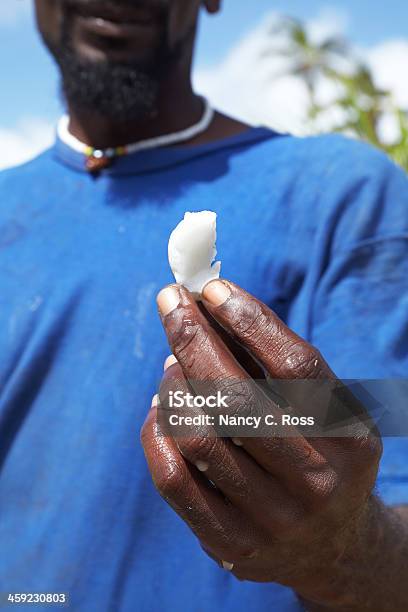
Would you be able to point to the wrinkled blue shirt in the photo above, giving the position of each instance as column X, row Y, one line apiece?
column 316, row 227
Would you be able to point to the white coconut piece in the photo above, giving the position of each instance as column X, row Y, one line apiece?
column 192, row 250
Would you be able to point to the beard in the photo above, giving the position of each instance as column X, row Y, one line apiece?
column 119, row 91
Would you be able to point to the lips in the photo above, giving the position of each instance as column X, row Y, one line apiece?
column 114, row 18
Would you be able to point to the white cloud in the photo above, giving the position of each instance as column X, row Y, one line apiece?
column 255, row 88
column 330, row 21
column 12, row 11
column 30, row 137
column 389, row 61
column 249, row 86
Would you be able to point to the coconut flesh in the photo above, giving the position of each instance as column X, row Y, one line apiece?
column 192, row 250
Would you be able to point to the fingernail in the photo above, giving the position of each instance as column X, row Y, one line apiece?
column 155, row 401
column 216, row 292
column 202, row 466
column 236, row 441
column 171, row 360
column 168, row 300
column 227, row 566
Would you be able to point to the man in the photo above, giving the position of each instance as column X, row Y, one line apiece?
column 315, row 228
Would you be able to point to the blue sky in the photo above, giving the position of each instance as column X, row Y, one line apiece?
column 29, row 80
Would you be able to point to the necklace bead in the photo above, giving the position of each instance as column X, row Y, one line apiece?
column 96, row 164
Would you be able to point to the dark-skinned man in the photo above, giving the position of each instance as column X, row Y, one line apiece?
column 314, row 228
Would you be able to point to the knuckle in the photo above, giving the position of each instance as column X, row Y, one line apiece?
column 185, row 333
column 170, row 384
column 186, row 337
column 239, row 485
column 199, row 448
column 367, row 448
column 323, row 488
column 301, row 359
column 243, row 400
column 170, row 483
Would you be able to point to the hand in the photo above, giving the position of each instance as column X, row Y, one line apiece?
column 291, row 509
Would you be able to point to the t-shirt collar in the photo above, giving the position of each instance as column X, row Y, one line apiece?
column 159, row 159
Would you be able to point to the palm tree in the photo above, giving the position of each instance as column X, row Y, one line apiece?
column 399, row 149
column 307, row 59
column 363, row 103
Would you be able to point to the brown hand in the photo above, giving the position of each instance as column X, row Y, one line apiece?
column 287, row 509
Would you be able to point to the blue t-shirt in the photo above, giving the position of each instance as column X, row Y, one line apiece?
column 316, row 227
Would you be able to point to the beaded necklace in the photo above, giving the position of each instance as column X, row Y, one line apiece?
column 100, row 159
